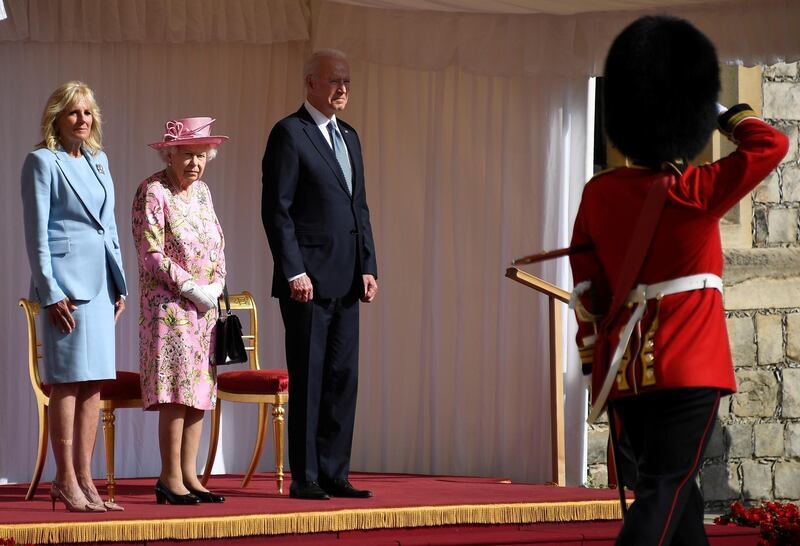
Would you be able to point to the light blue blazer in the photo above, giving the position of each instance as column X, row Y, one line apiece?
column 69, row 243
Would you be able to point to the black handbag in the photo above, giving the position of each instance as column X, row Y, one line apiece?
column 230, row 345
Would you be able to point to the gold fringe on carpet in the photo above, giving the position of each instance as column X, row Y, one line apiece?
column 310, row 522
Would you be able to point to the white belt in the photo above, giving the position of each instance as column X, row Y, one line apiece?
column 639, row 297
column 682, row 284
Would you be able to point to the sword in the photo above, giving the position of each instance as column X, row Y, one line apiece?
column 550, row 254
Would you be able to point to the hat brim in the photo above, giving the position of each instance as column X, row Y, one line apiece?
column 215, row 140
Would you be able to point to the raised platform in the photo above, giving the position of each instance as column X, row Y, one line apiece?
column 406, row 509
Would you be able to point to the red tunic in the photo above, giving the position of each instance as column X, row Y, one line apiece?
column 690, row 341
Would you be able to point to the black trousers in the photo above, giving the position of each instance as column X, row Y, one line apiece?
column 667, row 432
column 322, row 359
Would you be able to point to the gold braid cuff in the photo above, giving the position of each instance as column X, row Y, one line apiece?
column 733, row 116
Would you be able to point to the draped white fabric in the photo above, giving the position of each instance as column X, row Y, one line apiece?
column 552, row 7
column 156, row 21
column 540, row 45
column 474, row 131
column 454, row 376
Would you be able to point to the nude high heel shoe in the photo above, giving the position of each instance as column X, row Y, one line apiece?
column 72, row 505
column 94, row 498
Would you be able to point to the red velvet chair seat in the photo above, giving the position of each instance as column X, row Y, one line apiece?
column 254, row 381
column 125, row 387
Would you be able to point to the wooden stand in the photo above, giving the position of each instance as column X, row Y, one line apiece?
column 554, row 296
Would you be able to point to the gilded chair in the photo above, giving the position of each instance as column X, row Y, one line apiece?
column 253, row 385
column 122, row 392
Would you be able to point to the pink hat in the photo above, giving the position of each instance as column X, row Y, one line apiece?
column 188, row 131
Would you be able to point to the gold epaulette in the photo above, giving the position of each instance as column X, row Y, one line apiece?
column 586, row 354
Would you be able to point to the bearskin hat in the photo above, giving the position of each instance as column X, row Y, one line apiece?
column 661, row 84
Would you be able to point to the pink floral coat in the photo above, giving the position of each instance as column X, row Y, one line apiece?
column 178, row 238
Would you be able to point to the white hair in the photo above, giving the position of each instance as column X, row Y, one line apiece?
column 166, row 152
column 311, row 66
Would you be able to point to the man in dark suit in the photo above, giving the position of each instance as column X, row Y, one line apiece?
column 315, row 213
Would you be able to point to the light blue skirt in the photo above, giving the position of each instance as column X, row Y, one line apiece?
column 86, row 353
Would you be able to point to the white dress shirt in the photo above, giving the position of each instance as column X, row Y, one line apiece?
column 322, row 124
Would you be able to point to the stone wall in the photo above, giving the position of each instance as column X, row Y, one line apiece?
column 754, row 453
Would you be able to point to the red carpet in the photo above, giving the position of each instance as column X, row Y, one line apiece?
column 406, row 509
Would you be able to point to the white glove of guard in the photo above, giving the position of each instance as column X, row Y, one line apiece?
column 198, row 296
column 721, row 109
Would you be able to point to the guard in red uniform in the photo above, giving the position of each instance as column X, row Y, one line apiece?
column 662, row 360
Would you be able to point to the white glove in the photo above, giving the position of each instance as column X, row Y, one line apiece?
column 198, row 296
column 721, row 109
column 213, row 291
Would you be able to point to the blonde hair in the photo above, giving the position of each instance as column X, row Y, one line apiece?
column 63, row 98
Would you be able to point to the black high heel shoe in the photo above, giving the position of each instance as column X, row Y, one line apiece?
column 206, row 496
column 165, row 496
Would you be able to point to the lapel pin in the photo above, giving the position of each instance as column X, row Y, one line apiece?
column 100, row 168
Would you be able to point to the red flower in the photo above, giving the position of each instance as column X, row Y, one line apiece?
column 779, row 524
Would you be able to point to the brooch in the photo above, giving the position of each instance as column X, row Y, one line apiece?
column 100, row 168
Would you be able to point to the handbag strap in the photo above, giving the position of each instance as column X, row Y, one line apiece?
column 640, row 243
column 227, row 301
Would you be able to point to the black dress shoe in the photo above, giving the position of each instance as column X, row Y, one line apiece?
column 206, row 496
column 343, row 488
column 307, row 490
column 165, row 496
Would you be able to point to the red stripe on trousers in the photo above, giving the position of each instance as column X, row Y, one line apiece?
column 691, row 471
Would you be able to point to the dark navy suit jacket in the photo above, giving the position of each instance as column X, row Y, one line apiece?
column 313, row 224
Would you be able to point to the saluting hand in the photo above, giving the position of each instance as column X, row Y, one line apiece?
column 61, row 315
column 370, row 288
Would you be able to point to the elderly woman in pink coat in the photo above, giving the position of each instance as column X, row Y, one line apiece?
column 181, row 274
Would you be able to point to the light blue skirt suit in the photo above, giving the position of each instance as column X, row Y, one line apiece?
column 73, row 249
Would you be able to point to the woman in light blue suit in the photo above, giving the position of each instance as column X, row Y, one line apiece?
column 77, row 278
